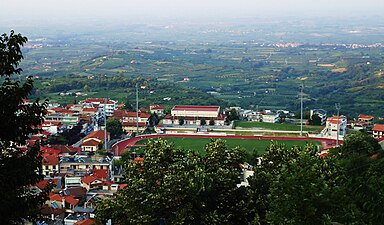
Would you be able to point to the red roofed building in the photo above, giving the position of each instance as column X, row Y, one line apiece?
column 366, row 119
column 66, row 149
column 91, row 182
column 128, row 120
column 102, row 104
column 378, row 131
column 195, row 115
column 158, row 109
column 44, row 183
column 90, row 145
column 66, row 202
column 93, row 140
column 336, row 126
column 50, row 164
column 51, row 127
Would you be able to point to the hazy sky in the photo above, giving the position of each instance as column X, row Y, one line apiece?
column 151, row 10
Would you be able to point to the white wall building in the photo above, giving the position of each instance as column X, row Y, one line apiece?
column 336, row 125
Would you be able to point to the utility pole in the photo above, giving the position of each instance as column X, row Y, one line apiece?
column 105, row 124
column 137, row 109
column 337, row 105
column 301, row 109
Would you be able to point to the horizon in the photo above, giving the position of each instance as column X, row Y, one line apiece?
column 70, row 12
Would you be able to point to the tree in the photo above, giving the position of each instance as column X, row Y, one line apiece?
column 18, row 168
column 203, row 122
column 115, row 127
column 211, row 122
column 177, row 187
column 315, row 120
column 181, row 121
column 232, row 115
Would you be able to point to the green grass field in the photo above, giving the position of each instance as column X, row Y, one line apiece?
column 275, row 126
column 249, row 145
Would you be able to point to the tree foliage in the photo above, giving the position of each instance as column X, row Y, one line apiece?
column 178, row 187
column 289, row 186
column 18, row 168
column 115, row 127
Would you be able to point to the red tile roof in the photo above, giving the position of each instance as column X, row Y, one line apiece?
column 97, row 101
column 57, row 109
column 365, row 117
column 69, row 105
column 42, row 184
column 88, row 179
column 99, row 134
column 101, row 174
column 89, row 110
column 85, row 222
column 68, row 199
column 91, row 142
column 133, row 124
column 67, row 111
column 49, row 151
column 378, row 127
column 196, row 108
column 334, row 119
column 66, row 149
column 50, row 160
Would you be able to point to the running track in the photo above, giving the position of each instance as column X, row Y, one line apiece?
column 126, row 144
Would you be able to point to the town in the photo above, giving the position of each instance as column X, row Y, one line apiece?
column 88, row 167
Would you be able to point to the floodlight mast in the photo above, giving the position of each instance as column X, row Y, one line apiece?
column 301, row 109
column 337, row 105
column 137, row 109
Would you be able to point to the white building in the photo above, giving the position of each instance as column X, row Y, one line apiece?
column 195, row 115
column 336, row 126
column 102, row 104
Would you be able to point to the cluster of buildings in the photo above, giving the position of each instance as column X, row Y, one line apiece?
column 79, row 176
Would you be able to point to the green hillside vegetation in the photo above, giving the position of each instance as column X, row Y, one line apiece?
column 290, row 186
column 248, row 75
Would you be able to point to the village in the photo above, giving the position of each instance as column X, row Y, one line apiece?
column 80, row 173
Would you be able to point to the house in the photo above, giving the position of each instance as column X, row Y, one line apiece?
column 365, row 119
column 378, row 131
column 92, row 142
column 51, row 127
column 95, row 179
column 80, row 165
column 68, row 118
column 158, row 109
column 50, row 164
column 195, row 115
column 270, row 117
column 129, row 118
column 66, row 202
column 336, row 127
column 91, row 182
column 104, row 105
column 71, row 182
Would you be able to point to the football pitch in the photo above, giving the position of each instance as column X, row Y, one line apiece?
column 249, row 145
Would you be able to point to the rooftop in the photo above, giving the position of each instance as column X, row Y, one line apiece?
column 378, row 127
column 196, row 108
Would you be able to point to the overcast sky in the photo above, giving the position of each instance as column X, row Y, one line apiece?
column 151, row 10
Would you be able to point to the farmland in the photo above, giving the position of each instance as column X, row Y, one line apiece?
column 232, row 69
